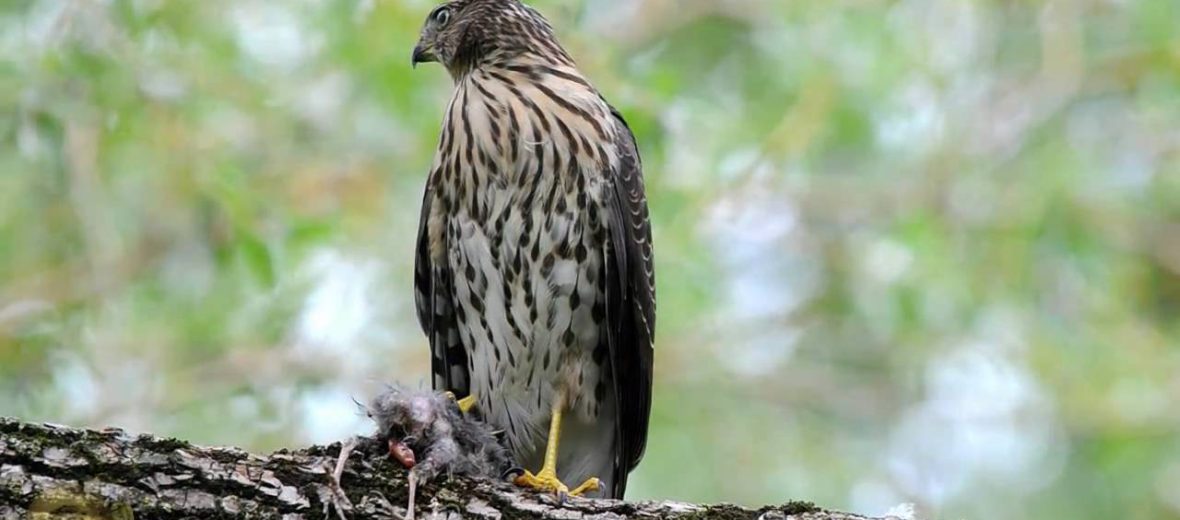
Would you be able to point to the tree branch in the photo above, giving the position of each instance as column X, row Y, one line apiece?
column 48, row 470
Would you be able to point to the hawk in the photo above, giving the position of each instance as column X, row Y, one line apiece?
column 533, row 275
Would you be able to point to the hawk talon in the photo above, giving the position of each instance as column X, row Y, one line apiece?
column 511, row 474
column 591, row 485
column 465, row 404
column 547, row 482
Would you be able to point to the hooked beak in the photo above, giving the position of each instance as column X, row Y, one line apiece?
column 421, row 55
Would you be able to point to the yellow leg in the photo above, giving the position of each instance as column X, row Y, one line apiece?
column 465, row 404
column 546, row 480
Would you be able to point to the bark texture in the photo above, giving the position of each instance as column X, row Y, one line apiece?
column 50, row 471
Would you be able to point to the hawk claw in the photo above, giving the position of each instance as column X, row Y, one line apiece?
column 465, row 404
column 547, row 482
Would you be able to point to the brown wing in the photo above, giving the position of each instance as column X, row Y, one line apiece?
column 432, row 298
column 631, row 303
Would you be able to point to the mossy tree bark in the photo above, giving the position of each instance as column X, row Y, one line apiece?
column 49, row 471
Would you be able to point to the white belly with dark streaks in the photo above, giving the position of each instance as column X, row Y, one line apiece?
column 532, row 331
column 528, row 280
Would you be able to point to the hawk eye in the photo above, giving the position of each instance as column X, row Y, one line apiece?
column 441, row 16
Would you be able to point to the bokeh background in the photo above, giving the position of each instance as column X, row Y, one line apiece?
column 908, row 251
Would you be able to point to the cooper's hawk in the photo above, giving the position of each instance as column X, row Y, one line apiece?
column 534, row 276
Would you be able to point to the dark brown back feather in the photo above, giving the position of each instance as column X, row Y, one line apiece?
column 631, row 304
column 436, row 314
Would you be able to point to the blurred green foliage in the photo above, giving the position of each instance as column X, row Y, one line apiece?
column 908, row 251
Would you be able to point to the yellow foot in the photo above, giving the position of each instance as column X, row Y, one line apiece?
column 547, row 482
column 465, row 404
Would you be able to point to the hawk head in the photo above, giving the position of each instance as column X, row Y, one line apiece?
column 462, row 34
